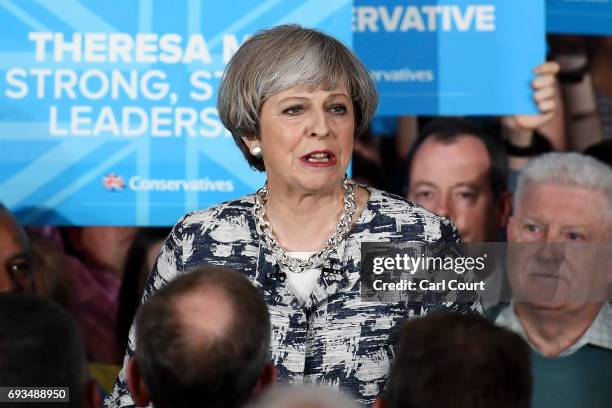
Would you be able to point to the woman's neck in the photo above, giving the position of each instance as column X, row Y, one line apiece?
column 305, row 221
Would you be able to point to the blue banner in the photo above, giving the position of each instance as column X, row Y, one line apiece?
column 451, row 57
column 109, row 107
column 587, row 17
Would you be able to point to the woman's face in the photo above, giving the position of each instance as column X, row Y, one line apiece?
column 307, row 138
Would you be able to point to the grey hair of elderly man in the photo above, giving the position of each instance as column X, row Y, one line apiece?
column 565, row 169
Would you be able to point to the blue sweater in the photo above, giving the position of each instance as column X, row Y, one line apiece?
column 580, row 380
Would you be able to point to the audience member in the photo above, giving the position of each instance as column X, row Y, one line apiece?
column 304, row 397
column 139, row 262
column 51, row 277
column 16, row 274
column 587, row 87
column 203, row 340
column 563, row 197
column 458, row 171
column 95, row 257
column 40, row 346
column 458, row 361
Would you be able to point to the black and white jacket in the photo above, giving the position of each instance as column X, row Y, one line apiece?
column 335, row 338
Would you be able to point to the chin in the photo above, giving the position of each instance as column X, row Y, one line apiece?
column 548, row 306
column 320, row 182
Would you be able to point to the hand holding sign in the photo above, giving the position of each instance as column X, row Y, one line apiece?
column 544, row 87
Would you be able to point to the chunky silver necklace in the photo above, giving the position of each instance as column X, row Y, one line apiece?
column 264, row 228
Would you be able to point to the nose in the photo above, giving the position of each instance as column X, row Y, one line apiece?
column 553, row 235
column 319, row 125
column 550, row 251
column 442, row 207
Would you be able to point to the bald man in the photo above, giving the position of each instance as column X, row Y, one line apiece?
column 203, row 340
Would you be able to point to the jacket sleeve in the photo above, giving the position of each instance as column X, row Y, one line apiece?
column 169, row 264
column 455, row 301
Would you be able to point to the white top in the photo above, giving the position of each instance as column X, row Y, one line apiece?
column 302, row 283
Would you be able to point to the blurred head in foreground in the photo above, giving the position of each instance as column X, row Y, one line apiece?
column 15, row 256
column 458, row 361
column 40, row 346
column 203, row 340
column 304, row 397
column 458, row 171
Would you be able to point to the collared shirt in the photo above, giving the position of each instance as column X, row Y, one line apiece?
column 598, row 334
column 335, row 337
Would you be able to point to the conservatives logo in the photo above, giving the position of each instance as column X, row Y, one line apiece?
column 113, row 182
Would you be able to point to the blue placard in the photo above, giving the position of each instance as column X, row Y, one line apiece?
column 109, row 106
column 451, row 57
column 587, row 17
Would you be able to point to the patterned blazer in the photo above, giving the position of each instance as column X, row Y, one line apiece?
column 334, row 338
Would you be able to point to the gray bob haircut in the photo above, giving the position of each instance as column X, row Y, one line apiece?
column 283, row 57
column 568, row 169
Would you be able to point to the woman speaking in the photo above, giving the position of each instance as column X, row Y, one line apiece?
column 294, row 99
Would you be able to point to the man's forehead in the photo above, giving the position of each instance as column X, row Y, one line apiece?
column 565, row 204
column 10, row 229
column 463, row 159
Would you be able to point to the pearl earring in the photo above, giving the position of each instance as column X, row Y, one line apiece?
column 256, row 151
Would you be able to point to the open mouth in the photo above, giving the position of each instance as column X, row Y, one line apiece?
column 319, row 158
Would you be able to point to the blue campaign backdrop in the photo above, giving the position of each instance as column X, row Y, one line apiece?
column 451, row 57
column 103, row 123
column 586, row 17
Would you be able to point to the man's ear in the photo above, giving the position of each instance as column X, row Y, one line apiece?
column 380, row 403
column 504, row 208
column 138, row 389
column 267, row 378
column 92, row 394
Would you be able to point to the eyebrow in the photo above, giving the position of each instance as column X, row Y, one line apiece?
column 304, row 98
column 430, row 184
column 530, row 218
column 575, row 226
column 421, row 183
column 20, row 256
column 467, row 184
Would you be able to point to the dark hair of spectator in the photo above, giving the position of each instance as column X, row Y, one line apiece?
column 214, row 371
column 601, row 151
column 40, row 346
column 461, row 361
column 447, row 130
column 135, row 274
column 368, row 172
